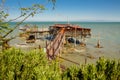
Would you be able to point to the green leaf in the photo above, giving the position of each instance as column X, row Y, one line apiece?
column 24, row 9
column 32, row 14
column 41, row 7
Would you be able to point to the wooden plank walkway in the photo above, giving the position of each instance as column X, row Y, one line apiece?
column 53, row 48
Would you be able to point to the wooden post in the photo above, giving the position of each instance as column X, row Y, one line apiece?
column 85, row 59
column 98, row 44
column 46, row 49
column 39, row 47
column 53, row 52
column 75, row 38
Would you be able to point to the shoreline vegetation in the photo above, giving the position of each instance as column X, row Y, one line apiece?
column 17, row 64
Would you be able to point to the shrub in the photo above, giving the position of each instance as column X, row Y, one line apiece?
column 18, row 65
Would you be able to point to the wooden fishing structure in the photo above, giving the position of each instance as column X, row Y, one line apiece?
column 38, row 31
column 71, row 30
column 34, row 32
column 61, row 31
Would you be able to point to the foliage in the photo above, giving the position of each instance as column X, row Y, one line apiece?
column 104, row 69
column 3, row 25
column 18, row 65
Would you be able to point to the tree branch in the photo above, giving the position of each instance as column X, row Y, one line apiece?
column 15, row 18
column 19, row 23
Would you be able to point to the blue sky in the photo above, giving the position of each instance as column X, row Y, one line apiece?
column 72, row 10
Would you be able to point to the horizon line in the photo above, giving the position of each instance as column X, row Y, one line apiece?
column 67, row 21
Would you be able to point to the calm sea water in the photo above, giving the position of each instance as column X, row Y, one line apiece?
column 107, row 32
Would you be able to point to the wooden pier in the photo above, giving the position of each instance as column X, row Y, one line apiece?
column 61, row 31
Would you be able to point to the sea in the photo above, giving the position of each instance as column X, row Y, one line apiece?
column 107, row 32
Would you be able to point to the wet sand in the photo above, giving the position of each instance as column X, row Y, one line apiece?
column 86, row 55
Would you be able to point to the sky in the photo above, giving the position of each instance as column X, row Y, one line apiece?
column 70, row 10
